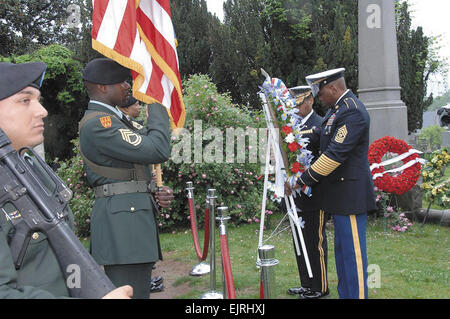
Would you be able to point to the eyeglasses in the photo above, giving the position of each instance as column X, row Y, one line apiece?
column 125, row 85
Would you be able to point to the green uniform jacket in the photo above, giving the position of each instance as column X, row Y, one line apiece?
column 40, row 275
column 123, row 227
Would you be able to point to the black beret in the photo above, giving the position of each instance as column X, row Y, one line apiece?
column 105, row 71
column 131, row 100
column 16, row 77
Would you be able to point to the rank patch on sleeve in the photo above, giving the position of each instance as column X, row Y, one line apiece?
column 130, row 137
column 341, row 134
column 106, row 121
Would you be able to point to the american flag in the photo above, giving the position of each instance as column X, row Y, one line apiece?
column 139, row 35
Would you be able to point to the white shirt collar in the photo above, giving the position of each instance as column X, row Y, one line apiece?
column 306, row 118
column 109, row 107
column 342, row 96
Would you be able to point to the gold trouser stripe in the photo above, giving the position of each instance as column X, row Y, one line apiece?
column 323, row 268
column 358, row 255
column 324, row 165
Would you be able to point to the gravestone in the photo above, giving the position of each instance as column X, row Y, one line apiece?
column 379, row 82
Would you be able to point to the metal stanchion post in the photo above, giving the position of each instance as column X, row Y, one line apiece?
column 222, row 217
column 212, row 293
column 202, row 268
column 266, row 262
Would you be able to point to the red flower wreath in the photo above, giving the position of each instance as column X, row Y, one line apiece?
column 401, row 183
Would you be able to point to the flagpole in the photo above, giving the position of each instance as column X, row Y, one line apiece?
column 158, row 174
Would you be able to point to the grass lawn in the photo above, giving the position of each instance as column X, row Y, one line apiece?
column 415, row 264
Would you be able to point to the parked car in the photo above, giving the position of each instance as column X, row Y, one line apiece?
column 443, row 114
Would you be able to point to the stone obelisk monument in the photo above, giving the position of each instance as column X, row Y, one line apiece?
column 379, row 83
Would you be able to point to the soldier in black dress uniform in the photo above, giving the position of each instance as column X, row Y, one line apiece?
column 346, row 183
column 309, row 207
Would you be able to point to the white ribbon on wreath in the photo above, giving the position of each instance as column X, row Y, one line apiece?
column 395, row 160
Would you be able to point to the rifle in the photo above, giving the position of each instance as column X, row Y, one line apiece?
column 36, row 198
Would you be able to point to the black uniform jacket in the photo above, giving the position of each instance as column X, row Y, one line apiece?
column 346, row 184
column 304, row 202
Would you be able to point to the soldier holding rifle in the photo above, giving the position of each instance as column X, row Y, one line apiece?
column 21, row 119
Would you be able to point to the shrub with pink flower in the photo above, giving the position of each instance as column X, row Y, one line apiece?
column 399, row 222
column 236, row 182
column 82, row 201
column 393, row 216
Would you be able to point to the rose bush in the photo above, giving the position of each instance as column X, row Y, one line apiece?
column 71, row 172
column 235, row 176
column 235, row 180
column 394, row 218
column 435, row 189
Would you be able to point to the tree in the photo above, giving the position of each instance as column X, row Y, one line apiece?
column 192, row 22
column 440, row 101
column 27, row 24
column 63, row 96
column 417, row 62
column 78, row 37
column 243, row 20
column 289, row 38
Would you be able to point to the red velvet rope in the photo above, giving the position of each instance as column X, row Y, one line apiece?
column 200, row 256
column 229, row 282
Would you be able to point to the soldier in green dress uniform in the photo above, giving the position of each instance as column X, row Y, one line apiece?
column 117, row 155
column 132, row 110
column 21, row 118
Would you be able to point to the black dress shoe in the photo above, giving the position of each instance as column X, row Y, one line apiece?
column 156, row 281
column 156, row 288
column 313, row 294
column 297, row 291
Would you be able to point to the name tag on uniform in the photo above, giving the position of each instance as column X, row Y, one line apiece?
column 331, row 120
column 329, row 124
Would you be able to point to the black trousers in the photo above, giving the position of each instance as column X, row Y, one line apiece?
column 137, row 276
column 316, row 245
